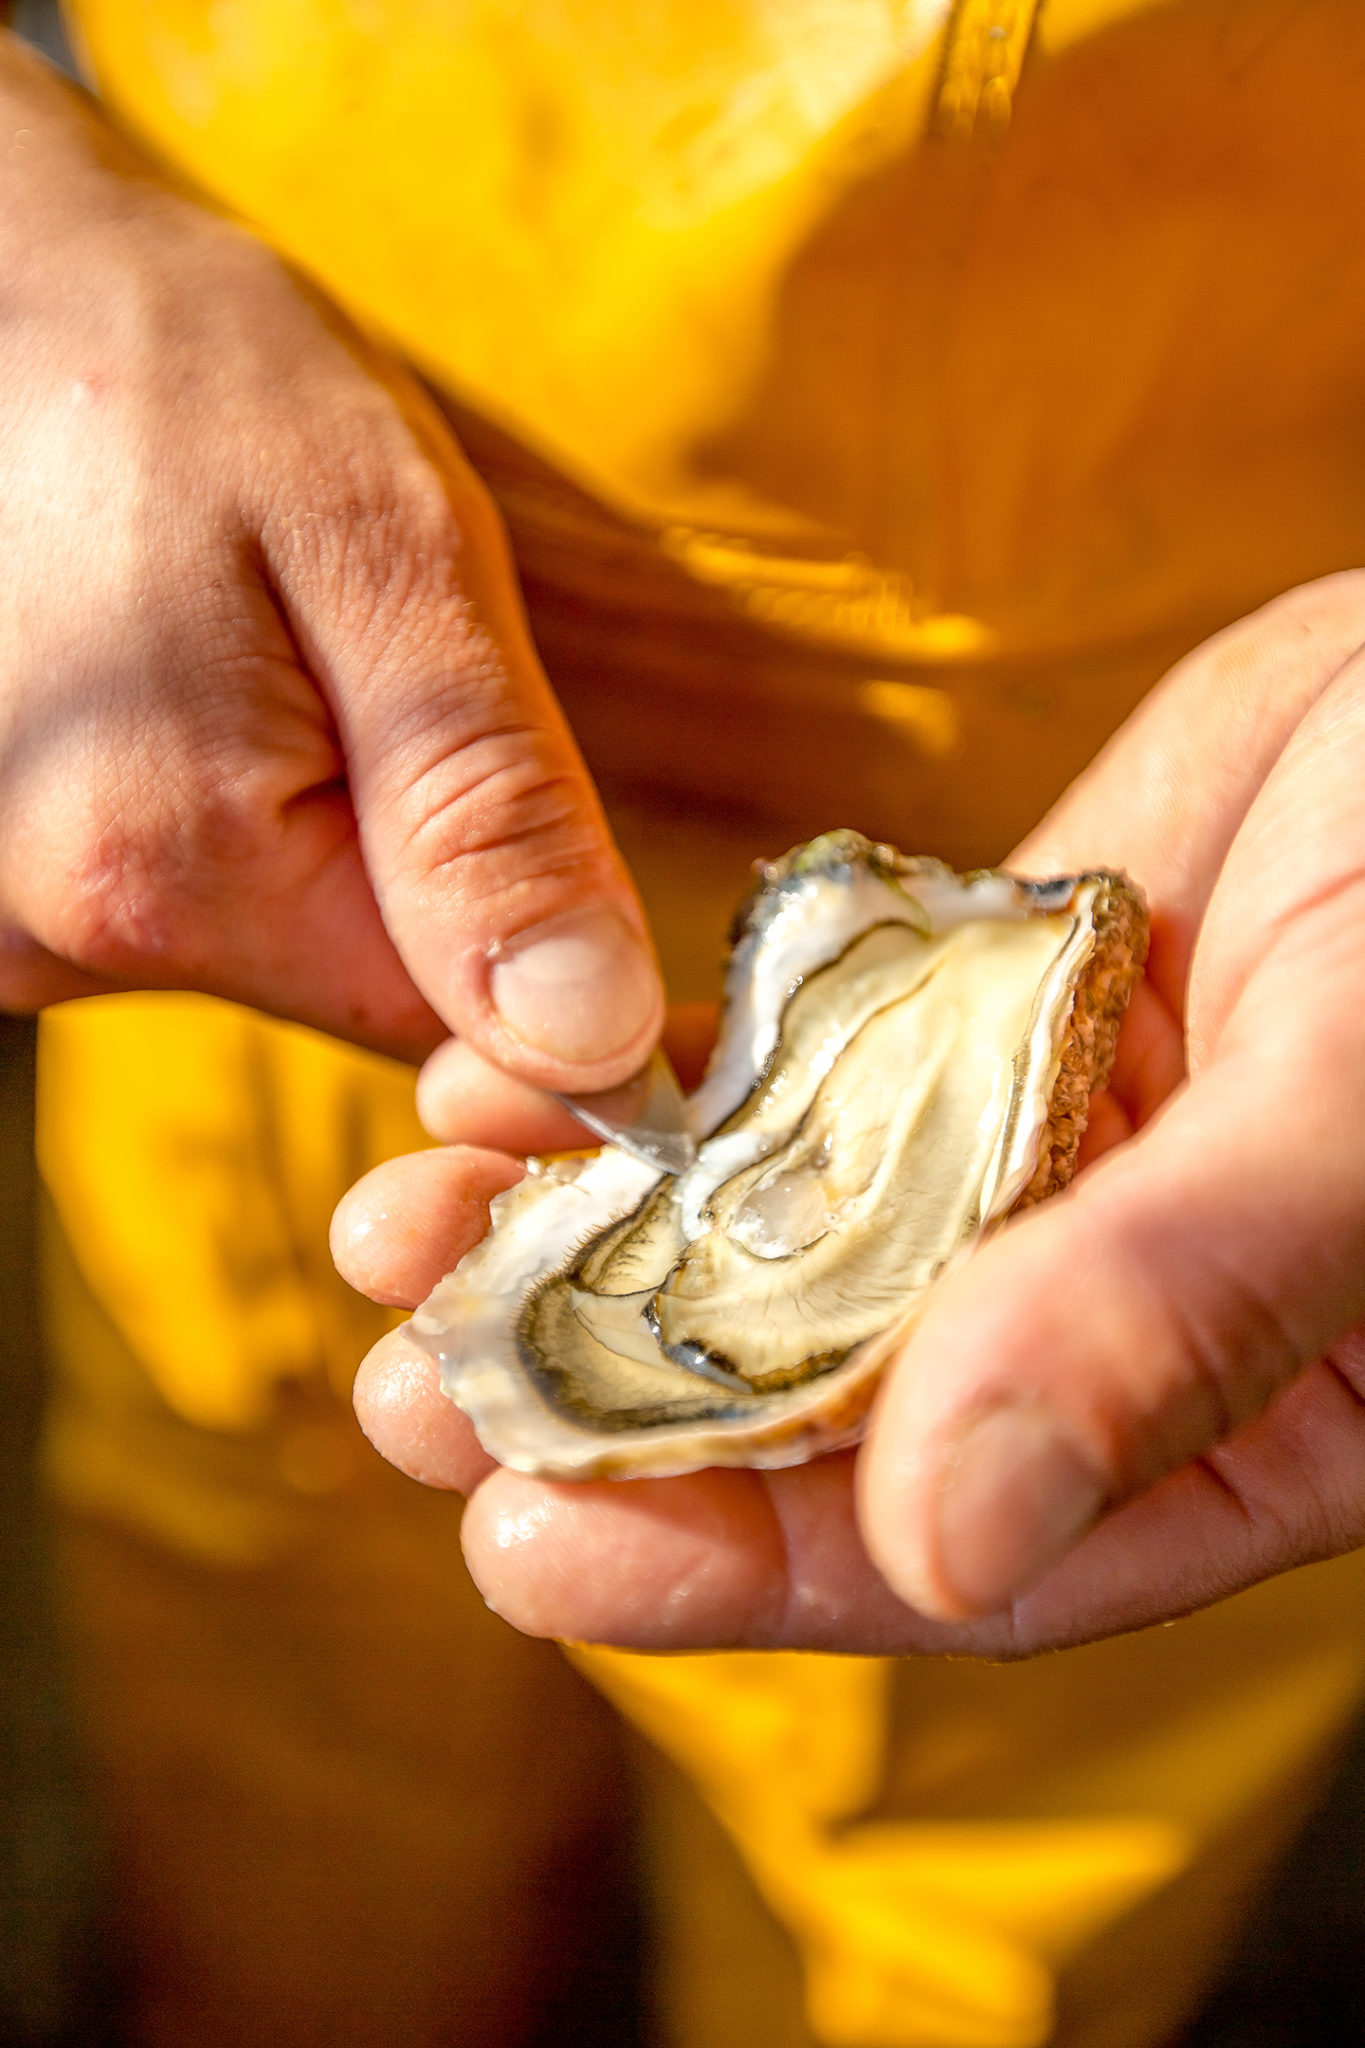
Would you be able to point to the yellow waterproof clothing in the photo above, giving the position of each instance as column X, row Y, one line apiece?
column 943, row 372
column 955, row 1849
column 996, row 352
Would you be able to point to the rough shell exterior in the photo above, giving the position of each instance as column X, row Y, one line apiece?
column 806, row 909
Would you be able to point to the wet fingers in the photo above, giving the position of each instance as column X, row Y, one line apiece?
column 413, row 1219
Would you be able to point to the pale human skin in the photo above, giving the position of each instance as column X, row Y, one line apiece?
column 1142, row 1396
column 271, row 727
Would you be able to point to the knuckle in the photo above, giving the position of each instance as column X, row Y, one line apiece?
column 117, row 914
column 1233, row 1351
column 499, row 793
column 383, row 525
column 143, row 897
column 1305, row 1501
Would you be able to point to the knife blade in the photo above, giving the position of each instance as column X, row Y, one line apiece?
column 645, row 1116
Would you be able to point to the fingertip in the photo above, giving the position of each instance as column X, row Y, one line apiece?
column 437, row 1077
column 1013, row 1495
column 463, row 1099
column 982, row 1467
column 891, row 1513
column 577, row 1002
column 651, row 1564
column 412, row 1219
column 402, row 1411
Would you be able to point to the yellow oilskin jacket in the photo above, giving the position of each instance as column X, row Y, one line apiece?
column 945, row 371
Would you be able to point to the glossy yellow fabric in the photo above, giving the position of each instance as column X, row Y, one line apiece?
column 677, row 247
column 790, row 331
column 947, row 1845
column 943, row 1858
column 876, row 402
column 194, row 1152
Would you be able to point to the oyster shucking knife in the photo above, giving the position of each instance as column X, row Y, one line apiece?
column 645, row 1116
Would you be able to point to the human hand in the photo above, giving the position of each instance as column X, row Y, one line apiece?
column 1143, row 1395
column 271, row 726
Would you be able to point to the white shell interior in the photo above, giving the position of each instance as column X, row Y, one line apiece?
column 571, row 1380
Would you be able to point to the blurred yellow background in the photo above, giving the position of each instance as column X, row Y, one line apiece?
column 879, row 395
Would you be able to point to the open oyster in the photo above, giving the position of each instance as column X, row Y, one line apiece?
column 906, row 1057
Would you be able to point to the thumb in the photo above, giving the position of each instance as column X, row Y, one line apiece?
column 483, row 837
column 1124, row 1329
column 1109, row 1337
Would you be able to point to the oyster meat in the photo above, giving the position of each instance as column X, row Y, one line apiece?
column 906, row 1057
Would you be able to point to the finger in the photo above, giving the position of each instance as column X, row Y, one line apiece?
column 400, row 1407
column 1287, row 1490
column 1110, row 1337
column 485, row 841
column 1117, row 1333
column 1212, row 731
column 714, row 1560
column 1149, row 1066
column 463, row 1098
column 1149, row 1062
column 649, row 1563
column 187, row 828
column 411, row 1220
column 775, row 1561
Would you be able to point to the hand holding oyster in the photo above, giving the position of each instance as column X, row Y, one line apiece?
column 906, row 1057
column 1147, row 1394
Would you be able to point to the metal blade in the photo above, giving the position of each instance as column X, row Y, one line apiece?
column 645, row 1116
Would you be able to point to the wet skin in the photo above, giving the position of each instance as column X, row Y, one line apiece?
column 1143, row 1395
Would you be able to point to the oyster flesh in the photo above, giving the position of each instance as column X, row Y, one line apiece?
column 906, row 1057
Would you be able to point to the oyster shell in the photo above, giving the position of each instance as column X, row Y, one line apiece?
column 906, row 1057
